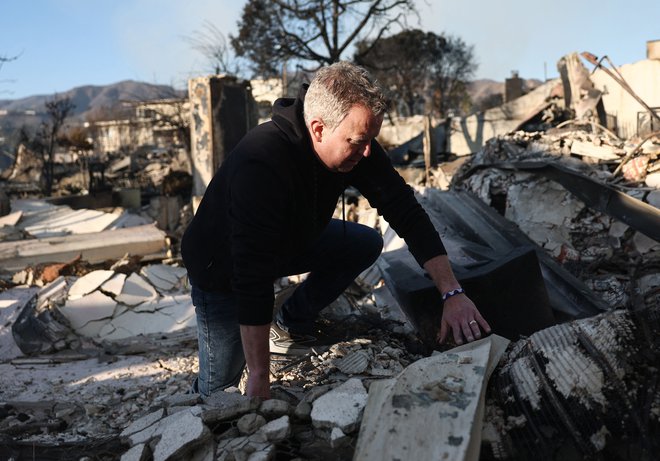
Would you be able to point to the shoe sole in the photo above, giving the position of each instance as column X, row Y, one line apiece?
column 285, row 346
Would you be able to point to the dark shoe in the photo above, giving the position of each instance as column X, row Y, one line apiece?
column 283, row 342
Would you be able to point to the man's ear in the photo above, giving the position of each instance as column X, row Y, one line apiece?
column 316, row 128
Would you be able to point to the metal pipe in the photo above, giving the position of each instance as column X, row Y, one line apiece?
column 594, row 60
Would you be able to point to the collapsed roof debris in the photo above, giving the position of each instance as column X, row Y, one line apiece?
column 98, row 345
column 603, row 231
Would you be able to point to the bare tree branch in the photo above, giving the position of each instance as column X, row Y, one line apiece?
column 315, row 32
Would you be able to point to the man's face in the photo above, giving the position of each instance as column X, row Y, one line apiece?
column 342, row 148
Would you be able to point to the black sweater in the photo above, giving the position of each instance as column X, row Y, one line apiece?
column 269, row 201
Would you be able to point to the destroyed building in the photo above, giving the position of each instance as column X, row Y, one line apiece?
column 549, row 210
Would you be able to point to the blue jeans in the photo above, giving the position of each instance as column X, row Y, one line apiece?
column 333, row 262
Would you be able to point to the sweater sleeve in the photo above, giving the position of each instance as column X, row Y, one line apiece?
column 385, row 189
column 256, row 216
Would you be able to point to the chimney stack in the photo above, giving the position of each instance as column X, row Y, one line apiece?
column 513, row 87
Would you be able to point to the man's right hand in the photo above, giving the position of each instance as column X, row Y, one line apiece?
column 257, row 356
column 258, row 385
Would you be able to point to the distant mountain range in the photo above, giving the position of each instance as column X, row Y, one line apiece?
column 90, row 98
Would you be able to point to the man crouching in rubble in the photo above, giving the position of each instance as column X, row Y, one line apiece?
column 267, row 214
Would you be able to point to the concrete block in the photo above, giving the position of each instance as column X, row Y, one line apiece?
column 341, row 407
column 180, row 436
column 274, row 408
column 653, row 198
column 221, row 406
column 248, row 424
column 278, row 429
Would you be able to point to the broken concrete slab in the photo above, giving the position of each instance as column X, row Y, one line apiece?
column 136, row 290
column 89, row 282
column 143, row 423
column 444, row 392
column 42, row 219
column 92, row 307
column 277, row 429
column 94, row 248
column 181, row 436
column 114, row 285
column 130, row 323
column 341, row 407
column 165, row 278
column 644, row 244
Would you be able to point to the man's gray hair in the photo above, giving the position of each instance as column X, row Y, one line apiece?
column 338, row 87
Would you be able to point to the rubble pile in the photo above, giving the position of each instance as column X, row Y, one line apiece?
column 616, row 260
column 109, row 387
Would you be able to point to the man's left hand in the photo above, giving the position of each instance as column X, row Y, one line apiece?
column 462, row 317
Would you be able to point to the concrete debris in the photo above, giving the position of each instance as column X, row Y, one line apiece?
column 97, row 247
column 88, row 283
column 579, row 234
column 342, row 407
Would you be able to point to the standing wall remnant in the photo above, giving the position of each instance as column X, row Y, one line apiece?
column 222, row 111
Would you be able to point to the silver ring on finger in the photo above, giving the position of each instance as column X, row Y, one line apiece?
column 472, row 322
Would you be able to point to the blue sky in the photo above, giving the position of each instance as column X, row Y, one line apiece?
column 62, row 44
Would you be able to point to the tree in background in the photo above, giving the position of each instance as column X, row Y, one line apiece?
column 78, row 139
column 212, row 44
column 57, row 110
column 311, row 33
column 424, row 73
column 4, row 59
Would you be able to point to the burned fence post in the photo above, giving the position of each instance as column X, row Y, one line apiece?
column 222, row 111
